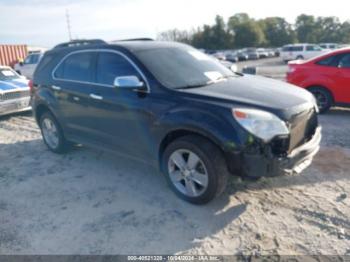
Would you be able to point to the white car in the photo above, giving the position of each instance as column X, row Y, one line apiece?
column 14, row 92
column 29, row 64
column 330, row 46
column 301, row 51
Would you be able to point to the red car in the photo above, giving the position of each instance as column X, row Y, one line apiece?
column 326, row 76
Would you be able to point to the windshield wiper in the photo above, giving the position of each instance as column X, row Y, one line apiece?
column 192, row 86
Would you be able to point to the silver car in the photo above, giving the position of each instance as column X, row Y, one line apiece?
column 14, row 92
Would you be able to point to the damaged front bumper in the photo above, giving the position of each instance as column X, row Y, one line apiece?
column 263, row 164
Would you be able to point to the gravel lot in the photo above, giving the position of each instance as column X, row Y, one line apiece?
column 92, row 202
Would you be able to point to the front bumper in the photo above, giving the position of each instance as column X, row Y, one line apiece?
column 14, row 105
column 258, row 165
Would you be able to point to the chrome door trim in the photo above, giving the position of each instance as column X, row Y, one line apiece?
column 97, row 84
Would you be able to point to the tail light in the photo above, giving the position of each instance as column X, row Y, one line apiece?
column 291, row 69
column 31, row 86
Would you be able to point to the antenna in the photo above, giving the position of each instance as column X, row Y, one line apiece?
column 68, row 25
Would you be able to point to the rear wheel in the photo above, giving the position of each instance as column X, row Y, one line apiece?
column 195, row 169
column 323, row 98
column 52, row 134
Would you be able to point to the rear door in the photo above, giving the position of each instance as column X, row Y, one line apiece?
column 72, row 88
column 121, row 115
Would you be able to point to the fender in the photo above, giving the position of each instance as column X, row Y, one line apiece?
column 215, row 127
column 44, row 97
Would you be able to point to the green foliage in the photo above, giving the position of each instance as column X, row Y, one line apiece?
column 278, row 31
column 243, row 31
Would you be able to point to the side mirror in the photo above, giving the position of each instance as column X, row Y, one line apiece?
column 128, row 82
column 21, row 63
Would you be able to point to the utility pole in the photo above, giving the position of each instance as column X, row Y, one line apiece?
column 68, row 25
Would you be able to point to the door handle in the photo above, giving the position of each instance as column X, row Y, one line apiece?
column 57, row 88
column 97, row 97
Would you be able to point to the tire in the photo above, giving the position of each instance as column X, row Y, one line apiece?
column 211, row 161
column 323, row 98
column 61, row 145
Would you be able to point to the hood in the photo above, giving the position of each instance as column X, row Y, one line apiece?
column 13, row 84
column 259, row 92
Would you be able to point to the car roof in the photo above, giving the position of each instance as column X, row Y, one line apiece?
column 131, row 45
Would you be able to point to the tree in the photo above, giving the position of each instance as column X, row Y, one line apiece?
column 345, row 32
column 248, row 34
column 328, row 29
column 306, row 29
column 175, row 35
column 277, row 31
column 237, row 19
column 213, row 37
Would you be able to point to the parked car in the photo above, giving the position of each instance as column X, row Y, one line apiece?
column 232, row 57
column 219, row 55
column 170, row 105
column 252, row 54
column 262, row 53
column 300, row 52
column 242, row 56
column 14, row 92
column 27, row 67
column 326, row 76
column 329, row 46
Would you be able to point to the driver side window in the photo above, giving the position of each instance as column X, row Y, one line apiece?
column 111, row 65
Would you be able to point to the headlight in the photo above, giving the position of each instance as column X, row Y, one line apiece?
column 260, row 123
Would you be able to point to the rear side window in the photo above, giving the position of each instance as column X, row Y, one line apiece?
column 77, row 67
column 329, row 61
column 292, row 49
column 110, row 66
column 345, row 61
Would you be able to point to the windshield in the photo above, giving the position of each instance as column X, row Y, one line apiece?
column 181, row 67
column 7, row 74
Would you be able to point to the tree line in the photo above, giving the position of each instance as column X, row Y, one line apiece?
column 243, row 31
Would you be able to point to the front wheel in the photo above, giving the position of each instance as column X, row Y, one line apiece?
column 323, row 98
column 52, row 134
column 195, row 169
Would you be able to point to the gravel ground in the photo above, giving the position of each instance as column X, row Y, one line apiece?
column 91, row 202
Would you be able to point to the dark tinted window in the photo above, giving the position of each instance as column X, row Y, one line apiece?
column 345, row 61
column 292, row 48
column 313, row 48
column 329, row 61
column 76, row 67
column 32, row 59
column 110, row 66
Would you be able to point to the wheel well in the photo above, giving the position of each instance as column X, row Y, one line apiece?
column 172, row 136
column 322, row 87
column 40, row 110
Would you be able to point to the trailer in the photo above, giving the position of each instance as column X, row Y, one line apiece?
column 11, row 54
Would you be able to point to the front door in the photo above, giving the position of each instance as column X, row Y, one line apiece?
column 121, row 116
column 343, row 79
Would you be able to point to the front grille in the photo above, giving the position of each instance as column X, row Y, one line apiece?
column 303, row 127
column 14, row 95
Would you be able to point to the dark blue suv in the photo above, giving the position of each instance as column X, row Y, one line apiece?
column 173, row 106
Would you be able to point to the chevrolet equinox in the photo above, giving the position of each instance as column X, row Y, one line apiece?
column 173, row 106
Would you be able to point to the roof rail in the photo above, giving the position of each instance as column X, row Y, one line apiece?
column 80, row 42
column 133, row 39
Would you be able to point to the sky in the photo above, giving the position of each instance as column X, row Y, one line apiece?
column 43, row 22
